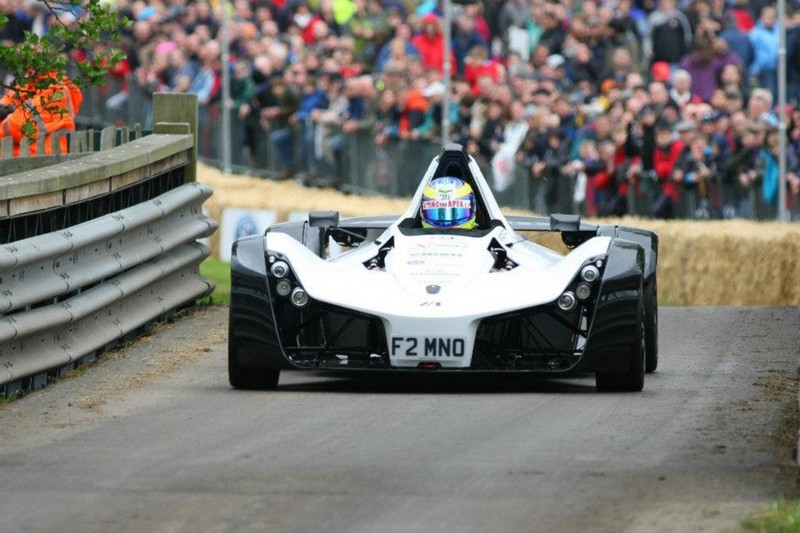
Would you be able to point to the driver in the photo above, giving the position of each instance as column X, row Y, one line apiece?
column 448, row 203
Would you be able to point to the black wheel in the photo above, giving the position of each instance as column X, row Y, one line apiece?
column 248, row 378
column 651, row 326
column 633, row 379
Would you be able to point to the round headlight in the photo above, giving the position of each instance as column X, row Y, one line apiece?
column 283, row 287
column 567, row 301
column 583, row 291
column 279, row 269
column 299, row 297
column 590, row 273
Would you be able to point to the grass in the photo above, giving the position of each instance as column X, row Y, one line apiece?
column 219, row 272
column 7, row 399
column 783, row 516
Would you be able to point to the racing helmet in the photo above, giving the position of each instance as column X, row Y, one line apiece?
column 448, row 202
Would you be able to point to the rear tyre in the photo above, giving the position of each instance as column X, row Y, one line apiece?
column 633, row 379
column 249, row 378
column 651, row 326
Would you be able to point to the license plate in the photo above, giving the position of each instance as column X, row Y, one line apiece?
column 428, row 347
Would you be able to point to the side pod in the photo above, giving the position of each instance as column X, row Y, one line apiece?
column 253, row 333
column 617, row 314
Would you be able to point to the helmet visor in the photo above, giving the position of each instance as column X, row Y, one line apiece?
column 447, row 213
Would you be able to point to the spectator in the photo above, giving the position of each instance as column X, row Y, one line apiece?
column 577, row 70
column 759, row 107
column 430, row 44
column 314, row 96
column 512, row 14
column 504, row 159
column 764, row 37
column 465, row 39
column 793, row 59
column 47, row 110
column 665, row 156
column 180, row 66
column 242, row 88
column 696, row 174
column 745, row 169
column 737, row 40
column 353, row 118
column 396, row 54
column 770, row 178
column 278, row 104
column 670, row 36
column 681, row 92
column 547, row 170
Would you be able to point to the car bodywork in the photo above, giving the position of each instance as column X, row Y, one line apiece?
column 383, row 293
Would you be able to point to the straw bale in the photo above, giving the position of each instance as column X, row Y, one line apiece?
column 732, row 263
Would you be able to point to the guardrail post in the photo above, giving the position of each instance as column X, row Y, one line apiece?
column 180, row 108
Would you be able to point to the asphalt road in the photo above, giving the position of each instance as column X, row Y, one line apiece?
column 154, row 439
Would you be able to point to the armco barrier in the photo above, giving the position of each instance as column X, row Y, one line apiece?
column 104, row 278
column 51, row 265
column 98, row 246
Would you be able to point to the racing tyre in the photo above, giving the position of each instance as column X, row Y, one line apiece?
column 651, row 326
column 633, row 379
column 249, row 378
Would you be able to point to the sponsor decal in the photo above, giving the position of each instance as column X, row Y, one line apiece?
column 446, row 204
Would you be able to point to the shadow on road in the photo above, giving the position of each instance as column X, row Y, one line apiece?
column 394, row 383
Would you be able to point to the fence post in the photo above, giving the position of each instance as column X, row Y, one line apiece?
column 178, row 108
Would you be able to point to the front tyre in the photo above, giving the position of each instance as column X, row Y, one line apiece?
column 633, row 379
column 651, row 326
column 248, row 378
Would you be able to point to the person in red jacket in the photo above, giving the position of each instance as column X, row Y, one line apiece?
column 430, row 44
column 47, row 110
column 666, row 154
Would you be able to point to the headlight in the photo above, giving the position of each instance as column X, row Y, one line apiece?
column 590, row 273
column 299, row 297
column 283, row 287
column 279, row 269
column 567, row 301
column 583, row 291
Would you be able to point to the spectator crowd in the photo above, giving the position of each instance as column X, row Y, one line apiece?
column 663, row 108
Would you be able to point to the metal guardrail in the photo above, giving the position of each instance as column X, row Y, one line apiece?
column 95, row 246
column 68, row 293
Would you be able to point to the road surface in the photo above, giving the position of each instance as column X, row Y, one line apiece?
column 152, row 438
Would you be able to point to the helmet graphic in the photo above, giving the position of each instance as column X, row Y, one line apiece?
column 448, row 202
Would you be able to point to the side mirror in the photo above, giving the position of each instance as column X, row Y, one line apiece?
column 323, row 219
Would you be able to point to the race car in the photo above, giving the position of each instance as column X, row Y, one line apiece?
column 451, row 285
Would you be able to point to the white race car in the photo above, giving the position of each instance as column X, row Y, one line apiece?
column 449, row 286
